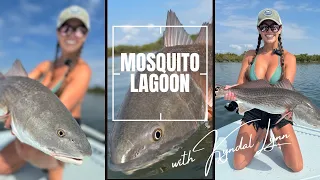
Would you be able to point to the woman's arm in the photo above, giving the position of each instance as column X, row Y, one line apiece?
column 36, row 72
column 241, row 78
column 245, row 63
column 290, row 67
column 77, row 88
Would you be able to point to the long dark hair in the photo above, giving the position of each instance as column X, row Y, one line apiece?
column 68, row 62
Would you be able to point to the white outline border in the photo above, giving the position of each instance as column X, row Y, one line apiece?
column 113, row 74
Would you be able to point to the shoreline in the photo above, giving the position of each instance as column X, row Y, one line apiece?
column 96, row 90
column 145, row 48
column 232, row 57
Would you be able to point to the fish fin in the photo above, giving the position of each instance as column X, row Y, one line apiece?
column 201, row 39
column 285, row 84
column 242, row 108
column 4, row 113
column 174, row 36
column 17, row 70
column 254, row 84
column 2, row 76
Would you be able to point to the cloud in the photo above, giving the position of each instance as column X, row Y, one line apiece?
column 192, row 22
column 281, row 5
column 30, row 7
column 130, row 30
column 237, row 35
column 228, row 7
column 294, row 32
column 40, row 29
column 125, row 40
column 151, row 26
column 90, row 5
column 237, row 47
column 248, row 46
column 15, row 39
column 241, row 22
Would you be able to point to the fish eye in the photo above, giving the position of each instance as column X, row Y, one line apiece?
column 61, row 133
column 157, row 134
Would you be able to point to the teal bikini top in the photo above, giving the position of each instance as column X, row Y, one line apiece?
column 274, row 78
column 57, row 87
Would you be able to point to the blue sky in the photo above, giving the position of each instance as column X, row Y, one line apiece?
column 149, row 12
column 236, row 30
column 28, row 32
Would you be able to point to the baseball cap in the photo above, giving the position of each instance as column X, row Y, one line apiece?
column 269, row 14
column 74, row 12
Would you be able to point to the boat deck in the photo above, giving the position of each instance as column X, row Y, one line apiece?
column 92, row 168
column 269, row 165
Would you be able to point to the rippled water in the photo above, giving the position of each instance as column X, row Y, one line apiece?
column 306, row 82
column 164, row 168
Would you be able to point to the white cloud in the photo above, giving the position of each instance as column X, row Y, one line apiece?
column 192, row 22
column 228, row 7
column 235, row 46
column 15, row 39
column 248, row 46
column 125, row 40
column 40, row 29
column 90, row 5
column 294, row 32
column 281, row 5
column 130, row 30
column 240, row 36
column 151, row 26
column 30, row 7
column 241, row 22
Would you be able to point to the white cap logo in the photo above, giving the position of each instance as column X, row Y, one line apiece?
column 267, row 12
column 74, row 9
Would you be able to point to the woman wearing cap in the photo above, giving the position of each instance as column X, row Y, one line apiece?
column 68, row 76
column 273, row 63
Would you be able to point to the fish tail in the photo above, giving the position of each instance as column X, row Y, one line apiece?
column 219, row 92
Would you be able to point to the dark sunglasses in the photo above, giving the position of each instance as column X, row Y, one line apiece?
column 274, row 27
column 79, row 31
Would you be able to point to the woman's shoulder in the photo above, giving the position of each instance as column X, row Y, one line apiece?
column 83, row 68
column 248, row 55
column 288, row 56
column 44, row 65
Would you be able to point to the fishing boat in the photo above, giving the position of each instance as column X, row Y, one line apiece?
column 268, row 165
column 92, row 167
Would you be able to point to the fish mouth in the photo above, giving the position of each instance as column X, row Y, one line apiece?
column 69, row 159
column 142, row 162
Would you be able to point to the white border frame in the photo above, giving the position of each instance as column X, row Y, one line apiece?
column 203, row 74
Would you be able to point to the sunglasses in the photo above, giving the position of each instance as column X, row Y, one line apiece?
column 78, row 31
column 274, row 27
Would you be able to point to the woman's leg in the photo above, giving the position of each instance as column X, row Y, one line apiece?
column 291, row 152
column 247, row 133
column 10, row 161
